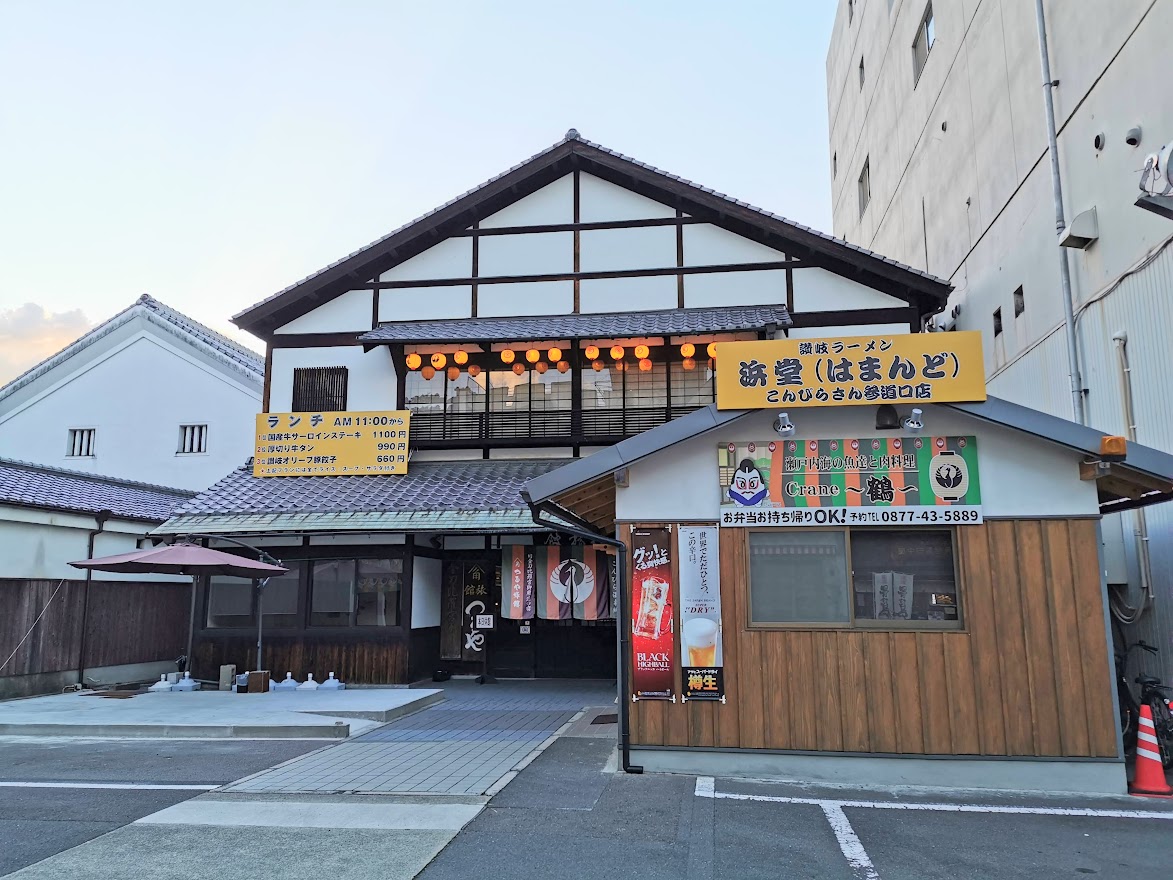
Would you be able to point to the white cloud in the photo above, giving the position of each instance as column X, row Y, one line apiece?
column 29, row 334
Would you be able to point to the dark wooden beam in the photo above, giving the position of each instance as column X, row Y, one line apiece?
column 679, row 258
column 576, row 226
column 586, row 276
column 268, row 378
column 314, row 340
column 577, row 206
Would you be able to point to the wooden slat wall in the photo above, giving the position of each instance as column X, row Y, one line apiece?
column 361, row 661
column 1029, row 675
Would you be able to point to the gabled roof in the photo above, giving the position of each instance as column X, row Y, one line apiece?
column 233, row 355
column 32, row 485
column 924, row 291
column 665, row 322
column 1150, row 467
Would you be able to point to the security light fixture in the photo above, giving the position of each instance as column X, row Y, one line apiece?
column 887, row 419
column 914, row 423
column 783, row 426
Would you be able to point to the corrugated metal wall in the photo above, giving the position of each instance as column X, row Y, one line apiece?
column 1141, row 306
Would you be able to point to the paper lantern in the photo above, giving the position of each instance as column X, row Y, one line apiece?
column 621, row 366
column 592, row 352
column 688, row 364
column 414, row 361
column 645, row 365
column 617, row 352
column 519, row 368
column 428, row 373
column 563, row 366
column 687, row 350
column 641, row 351
column 507, row 356
column 541, row 366
column 555, row 354
column 453, row 374
column 461, row 357
column 597, row 366
column 532, row 355
column 438, row 360
column 474, row 370
column 711, row 351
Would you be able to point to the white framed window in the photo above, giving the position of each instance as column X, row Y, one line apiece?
column 81, row 442
column 193, row 439
column 926, row 35
column 865, row 186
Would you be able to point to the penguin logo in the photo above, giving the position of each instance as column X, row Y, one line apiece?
column 747, row 487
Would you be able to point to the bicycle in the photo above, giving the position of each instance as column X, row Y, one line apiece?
column 1152, row 694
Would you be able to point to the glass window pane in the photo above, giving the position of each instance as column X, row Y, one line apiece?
column 379, row 583
column 466, row 394
column 646, row 389
column 798, row 577
column 602, row 389
column 508, row 392
column 692, row 387
column 333, row 593
column 550, row 391
column 279, row 601
column 230, row 602
column 424, row 395
column 903, row 575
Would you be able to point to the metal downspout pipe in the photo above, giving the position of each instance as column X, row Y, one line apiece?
column 1073, row 371
column 1124, row 612
column 587, row 534
column 100, row 521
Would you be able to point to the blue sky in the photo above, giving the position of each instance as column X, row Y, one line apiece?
column 212, row 153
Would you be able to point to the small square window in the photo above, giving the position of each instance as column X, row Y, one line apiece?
column 1019, row 302
column 865, row 186
column 81, row 442
column 926, row 35
column 193, row 439
column 997, row 322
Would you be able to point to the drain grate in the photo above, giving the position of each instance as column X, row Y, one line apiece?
column 605, row 719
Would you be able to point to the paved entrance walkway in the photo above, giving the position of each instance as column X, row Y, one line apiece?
column 462, row 746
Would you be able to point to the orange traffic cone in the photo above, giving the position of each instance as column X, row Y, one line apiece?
column 1150, row 775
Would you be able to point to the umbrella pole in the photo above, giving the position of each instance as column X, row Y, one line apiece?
column 260, row 586
column 189, row 665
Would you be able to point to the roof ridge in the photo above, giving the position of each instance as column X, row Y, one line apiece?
column 671, row 310
column 166, row 311
column 97, row 478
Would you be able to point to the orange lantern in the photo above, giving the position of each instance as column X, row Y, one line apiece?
column 428, row 373
column 453, row 374
column 414, row 361
column 461, row 357
column 438, row 360
column 532, row 355
column 507, row 356
column 641, row 351
column 519, row 368
column 616, row 352
column 541, row 366
column 555, row 354
column 563, row 366
column 688, row 364
column 687, row 350
column 645, row 365
column 474, row 371
column 592, row 352
column 711, row 351
column 597, row 366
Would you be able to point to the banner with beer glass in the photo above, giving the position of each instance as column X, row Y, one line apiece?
column 652, row 640
column 700, row 614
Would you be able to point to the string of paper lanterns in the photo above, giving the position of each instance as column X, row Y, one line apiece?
column 554, row 355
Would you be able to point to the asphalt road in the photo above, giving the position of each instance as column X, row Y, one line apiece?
column 36, row 823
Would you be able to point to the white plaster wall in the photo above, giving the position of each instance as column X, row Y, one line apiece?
column 708, row 245
column 550, row 205
column 847, row 330
column 525, row 298
column 350, row 311
column 135, row 394
column 817, row 290
column 425, row 303
column 371, row 377
column 767, row 287
column 425, row 592
column 627, row 294
column 450, row 258
column 1020, row 476
column 600, row 202
column 538, row 253
column 649, row 247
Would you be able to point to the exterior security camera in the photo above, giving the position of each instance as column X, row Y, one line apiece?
column 783, row 425
column 913, row 423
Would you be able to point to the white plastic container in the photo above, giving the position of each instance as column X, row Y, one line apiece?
column 309, row 684
column 289, row 683
column 187, row 683
column 161, row 685
column 331, row 684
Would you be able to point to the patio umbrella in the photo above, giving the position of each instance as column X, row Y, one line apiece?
column 189, row 559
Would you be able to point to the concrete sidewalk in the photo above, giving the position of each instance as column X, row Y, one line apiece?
column 214, row 714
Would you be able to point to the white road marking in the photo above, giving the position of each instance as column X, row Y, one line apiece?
column 300, row 814
column 116, row 786
column 850, row 844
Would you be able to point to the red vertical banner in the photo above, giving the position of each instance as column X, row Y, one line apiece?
column 652, row 639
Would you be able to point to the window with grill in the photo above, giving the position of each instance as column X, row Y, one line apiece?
column 81, row 442
column 319, row 389
column 193, row 439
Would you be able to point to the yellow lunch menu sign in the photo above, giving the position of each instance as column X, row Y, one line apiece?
column 331, row 444
column 857, row 370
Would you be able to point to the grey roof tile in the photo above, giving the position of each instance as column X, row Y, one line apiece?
column 666, row 322
column 34, row 485
column 427, row 486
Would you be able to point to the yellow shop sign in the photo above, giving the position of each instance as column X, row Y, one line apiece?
column 852, row 371
column 331, row 444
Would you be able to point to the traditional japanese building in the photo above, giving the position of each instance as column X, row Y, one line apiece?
column 566, row 305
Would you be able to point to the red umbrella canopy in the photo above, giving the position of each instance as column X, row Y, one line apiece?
column 189, row 559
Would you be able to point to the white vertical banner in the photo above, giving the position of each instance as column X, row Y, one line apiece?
column 700, row 613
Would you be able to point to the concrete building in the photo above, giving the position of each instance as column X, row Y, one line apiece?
column 939, row 153
column 149, row 395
